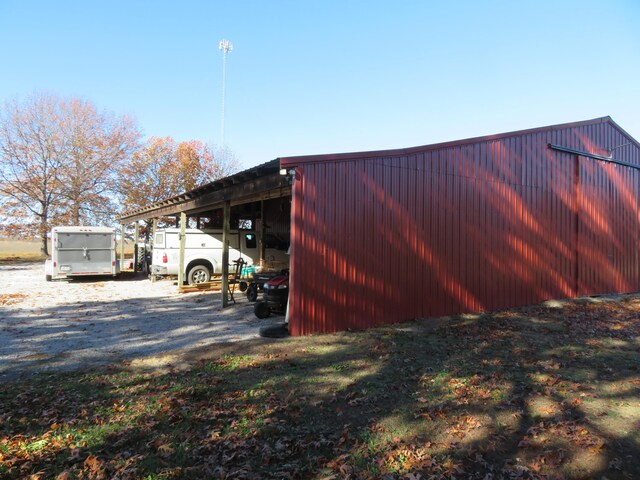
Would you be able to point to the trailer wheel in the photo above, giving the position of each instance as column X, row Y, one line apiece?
column 252, row 292
column 262, row 310
column 198, row 274
column 243, row 286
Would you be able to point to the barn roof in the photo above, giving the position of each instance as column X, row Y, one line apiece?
column 264, row 181
column 336, row 157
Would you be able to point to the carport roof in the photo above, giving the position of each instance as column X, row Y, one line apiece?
column 257, row 183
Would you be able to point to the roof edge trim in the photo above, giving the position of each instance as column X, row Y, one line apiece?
column 335, row 157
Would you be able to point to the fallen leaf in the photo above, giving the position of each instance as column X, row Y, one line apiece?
column 165, row 450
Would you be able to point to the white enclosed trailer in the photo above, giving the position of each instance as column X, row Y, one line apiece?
column 82, row 251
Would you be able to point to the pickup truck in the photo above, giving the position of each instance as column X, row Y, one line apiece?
column 203, row 252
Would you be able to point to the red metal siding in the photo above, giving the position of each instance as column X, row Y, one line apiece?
column 462, row 227
column 277, row 213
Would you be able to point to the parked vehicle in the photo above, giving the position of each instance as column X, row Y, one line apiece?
column 274, row 299
column 82, row 251
column 203, row 252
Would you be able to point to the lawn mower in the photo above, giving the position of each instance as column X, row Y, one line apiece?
column 257, row 284
column 274, row 298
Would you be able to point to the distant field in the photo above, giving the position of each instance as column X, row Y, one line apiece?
column 29, row 250
column 20, row 250
column 17, row 246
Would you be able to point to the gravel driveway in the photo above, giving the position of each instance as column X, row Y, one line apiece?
column 63, row 325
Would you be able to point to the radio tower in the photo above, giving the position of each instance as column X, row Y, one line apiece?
column 226, row 46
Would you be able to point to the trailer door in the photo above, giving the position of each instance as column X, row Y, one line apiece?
column 85, row 253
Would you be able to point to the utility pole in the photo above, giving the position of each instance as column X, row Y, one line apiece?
column 226, row 46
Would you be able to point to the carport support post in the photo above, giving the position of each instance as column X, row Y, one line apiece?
column 183, row 227
column 262, row 230
column 136, row 234
column 225, row 253
column 153, row 241
column 121, row 246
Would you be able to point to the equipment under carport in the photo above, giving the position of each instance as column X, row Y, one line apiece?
column 216, row 282
column 258, row 282
column 274, row 298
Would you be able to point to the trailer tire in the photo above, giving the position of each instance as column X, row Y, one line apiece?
column 252, row 292
column 243, row 286
column 262, row 310
column 198, row 274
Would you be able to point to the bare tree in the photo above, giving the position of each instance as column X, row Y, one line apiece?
column 58, row 160
column 32, row 155
column 198, row 164
column 97, row 146
column 164, row 168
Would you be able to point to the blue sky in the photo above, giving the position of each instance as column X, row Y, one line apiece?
column 330, row 76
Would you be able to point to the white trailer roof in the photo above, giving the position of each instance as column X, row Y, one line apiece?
column 83, row 229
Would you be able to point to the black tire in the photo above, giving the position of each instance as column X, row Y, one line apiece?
column 252, row 293
column 47, row 278
column 262, row 310
column 243, row 286
column 198, row 274
column 275, row 331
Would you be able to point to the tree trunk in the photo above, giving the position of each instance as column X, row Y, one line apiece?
column 44, row 249
column 75, row 212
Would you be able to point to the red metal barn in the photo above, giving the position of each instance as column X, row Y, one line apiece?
column 465, row 226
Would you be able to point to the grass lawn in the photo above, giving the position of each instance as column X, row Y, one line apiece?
column 539, row 392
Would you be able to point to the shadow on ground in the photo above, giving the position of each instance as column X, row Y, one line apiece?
column 87, row 333
column 549, row 391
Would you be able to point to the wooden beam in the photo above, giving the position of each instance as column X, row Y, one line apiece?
column 121, row 246
column 183, row 227
column 268, row 186
column 225, row 253
column 136, row 234
column 261, row 233
column 276, row 193
column 153, row 242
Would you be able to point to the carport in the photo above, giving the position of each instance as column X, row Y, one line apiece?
column 261, row 194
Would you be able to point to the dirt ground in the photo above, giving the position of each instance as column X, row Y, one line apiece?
column 63, row 325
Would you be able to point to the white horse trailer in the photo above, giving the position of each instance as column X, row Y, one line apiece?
column 82, row 251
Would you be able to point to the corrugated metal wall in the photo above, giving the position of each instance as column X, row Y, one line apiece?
column 277, row 213
column 463, row 227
